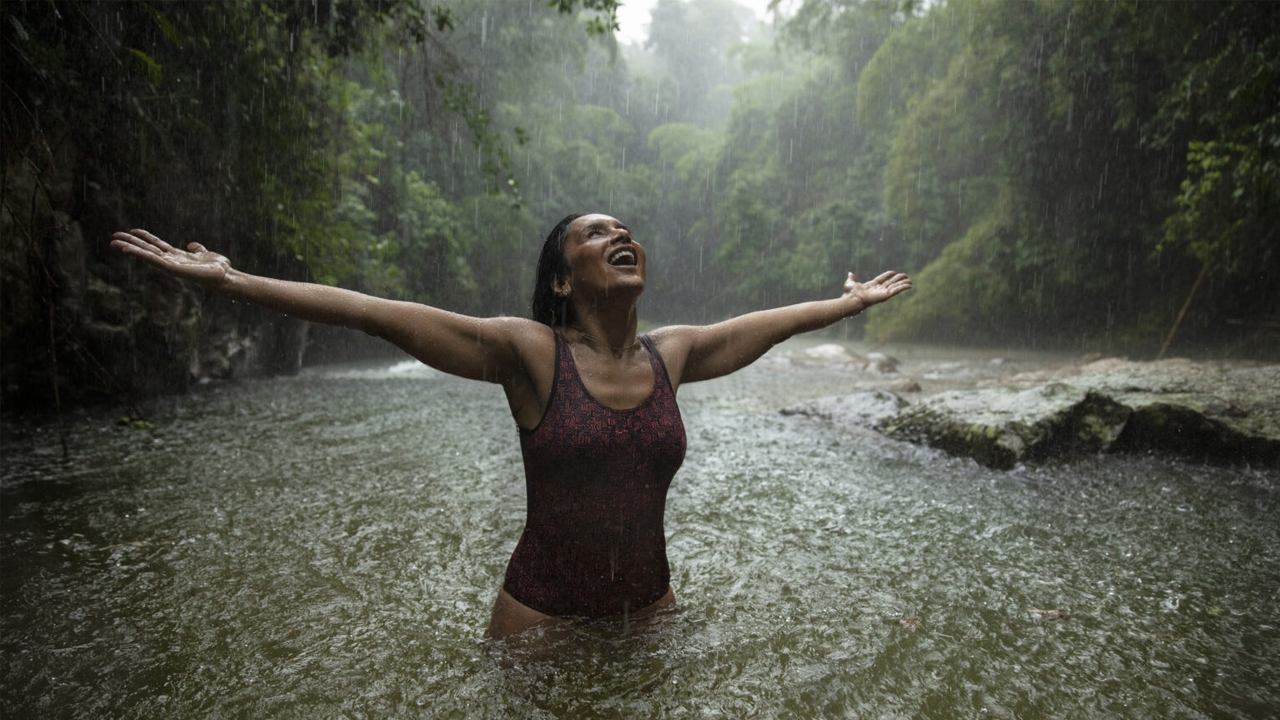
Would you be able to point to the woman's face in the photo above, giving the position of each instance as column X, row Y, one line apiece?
column 602, row 256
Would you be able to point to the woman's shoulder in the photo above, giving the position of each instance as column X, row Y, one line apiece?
column 672, row 343
column 533, row 340
column 522, row 329
column 670, row 337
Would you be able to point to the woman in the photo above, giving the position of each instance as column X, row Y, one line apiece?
column 600, row 432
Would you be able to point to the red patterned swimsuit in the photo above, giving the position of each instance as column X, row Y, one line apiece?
column 597, row 479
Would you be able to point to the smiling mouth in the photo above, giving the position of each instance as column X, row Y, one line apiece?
column 623, row 257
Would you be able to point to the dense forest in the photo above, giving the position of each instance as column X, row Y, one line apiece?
column 1096, row 176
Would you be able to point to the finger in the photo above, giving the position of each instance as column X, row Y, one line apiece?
column 883, row 277
column 125, row 241
column 893, row 279
column 164, row 246
column 146, row 253
column 196, row 247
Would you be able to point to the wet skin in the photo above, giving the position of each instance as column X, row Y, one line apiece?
column 605, row 280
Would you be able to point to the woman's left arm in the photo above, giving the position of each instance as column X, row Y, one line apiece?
column 703, row 352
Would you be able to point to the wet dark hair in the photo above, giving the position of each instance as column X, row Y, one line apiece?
column 546, row 307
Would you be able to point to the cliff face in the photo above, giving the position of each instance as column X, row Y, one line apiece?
column 81, row 323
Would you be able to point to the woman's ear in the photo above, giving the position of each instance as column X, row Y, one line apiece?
column 561, row 286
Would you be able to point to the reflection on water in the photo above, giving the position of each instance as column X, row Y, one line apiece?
column 331, row 544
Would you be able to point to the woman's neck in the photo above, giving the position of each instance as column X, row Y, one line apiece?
column 607, row 328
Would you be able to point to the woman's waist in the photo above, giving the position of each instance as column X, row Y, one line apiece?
column 566, row 578
column 585, row 540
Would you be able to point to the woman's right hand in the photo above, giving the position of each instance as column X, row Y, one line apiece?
column 490, row 349
column 194, row 263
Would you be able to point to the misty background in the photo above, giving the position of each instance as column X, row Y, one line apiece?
column 1087, row 176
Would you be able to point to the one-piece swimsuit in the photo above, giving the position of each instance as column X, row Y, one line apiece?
column 597, row 478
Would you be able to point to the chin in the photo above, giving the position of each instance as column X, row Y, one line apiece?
column 633, row 285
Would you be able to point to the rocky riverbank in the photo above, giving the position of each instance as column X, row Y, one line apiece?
column 1002, row 415
column 82, row 324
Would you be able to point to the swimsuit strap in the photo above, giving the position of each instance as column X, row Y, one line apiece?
column 655, row 360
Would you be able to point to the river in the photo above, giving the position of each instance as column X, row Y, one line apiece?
column 330, row 544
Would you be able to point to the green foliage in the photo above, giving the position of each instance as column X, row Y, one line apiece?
column 900, row 68
column 603, row 14
column 694, row 42
column 1219, row 198
column 674, row 142
column 1057, row 170
column 432, row 247
column 1072, row 109
column 943, row 160
column 799, row 203
column 967, row 294
column 1222, row 112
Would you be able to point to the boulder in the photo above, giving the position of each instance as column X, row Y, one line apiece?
column 1216, row 411
column 878, row 362
column 827, row 354
column 859, row 408
column 1212, row 410
column 1000, row 427
column 902, row 385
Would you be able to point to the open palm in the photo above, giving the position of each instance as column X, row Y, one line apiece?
column 194, row 263
column 881, row 288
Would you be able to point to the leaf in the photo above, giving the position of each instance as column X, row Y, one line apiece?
column 166, row 28
column 17, row 27
column 442, row 17
column 154, row 71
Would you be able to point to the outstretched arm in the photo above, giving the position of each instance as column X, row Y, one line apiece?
column 476, row 348
column 703, row 352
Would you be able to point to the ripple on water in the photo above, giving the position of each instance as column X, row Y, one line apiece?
column 331, row 544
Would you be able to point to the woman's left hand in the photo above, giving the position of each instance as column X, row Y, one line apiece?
column 884, row 286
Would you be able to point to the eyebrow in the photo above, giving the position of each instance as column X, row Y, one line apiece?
column 600, row 224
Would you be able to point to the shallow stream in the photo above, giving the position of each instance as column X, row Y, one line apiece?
column 330, row 545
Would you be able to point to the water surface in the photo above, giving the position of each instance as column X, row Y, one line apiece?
column 330, row 544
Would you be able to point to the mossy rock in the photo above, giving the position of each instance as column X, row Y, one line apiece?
column 1217, row 412
column 1000, row 427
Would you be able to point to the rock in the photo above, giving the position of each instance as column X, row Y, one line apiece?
column 1206, row 411
column 1000, row 427
column 860, row 408
column 1224, row 411
column 70, row 271
column 950, row 371
column 827, row 354
column 905, row 385
column 1096, row 365
column 881, row 363
column 107, row 302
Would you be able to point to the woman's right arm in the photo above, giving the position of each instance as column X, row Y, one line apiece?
column 475, row 348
